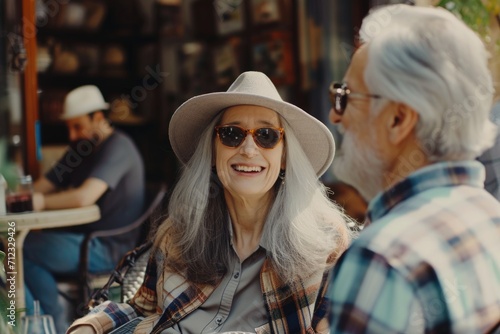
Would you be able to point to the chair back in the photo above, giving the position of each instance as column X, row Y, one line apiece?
column 155, row 194
column 154, row 197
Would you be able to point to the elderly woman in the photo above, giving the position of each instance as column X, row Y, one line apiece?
column 251, row 234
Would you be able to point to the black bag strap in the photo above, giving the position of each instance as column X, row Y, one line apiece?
column 118, row 274
column 495, row 329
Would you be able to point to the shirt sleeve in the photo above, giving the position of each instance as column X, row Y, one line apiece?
column 110, row 315
column 363, row 292
column 113, row 162
column 322, row 303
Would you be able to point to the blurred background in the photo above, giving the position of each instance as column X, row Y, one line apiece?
column 149, row 56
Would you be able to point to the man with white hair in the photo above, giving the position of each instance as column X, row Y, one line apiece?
column 101, row 166
column 414, row 109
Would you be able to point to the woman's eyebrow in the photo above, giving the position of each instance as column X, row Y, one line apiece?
column 266, row 123
column 262, row 122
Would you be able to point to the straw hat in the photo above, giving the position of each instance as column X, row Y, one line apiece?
column 82, row 101
column 250, row 88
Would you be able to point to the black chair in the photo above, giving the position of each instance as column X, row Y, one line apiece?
column 88, row 281
column 154, row 197
column 495, row 329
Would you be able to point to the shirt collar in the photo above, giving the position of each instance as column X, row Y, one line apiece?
column 262, row 243
column 440, row 174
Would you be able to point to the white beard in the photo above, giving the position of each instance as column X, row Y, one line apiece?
column 358, row 165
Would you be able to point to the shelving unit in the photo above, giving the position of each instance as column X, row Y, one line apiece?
column 226, row 38
column 261, row 34
column 120, row 57
column 103, row 43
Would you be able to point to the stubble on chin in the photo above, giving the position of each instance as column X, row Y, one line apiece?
column 359, row 167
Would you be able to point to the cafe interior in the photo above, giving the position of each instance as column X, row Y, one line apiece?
column 149, row 56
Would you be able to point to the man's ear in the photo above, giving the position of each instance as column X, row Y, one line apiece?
column 401, row 123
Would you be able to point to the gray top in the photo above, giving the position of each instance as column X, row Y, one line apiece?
column 236, row 304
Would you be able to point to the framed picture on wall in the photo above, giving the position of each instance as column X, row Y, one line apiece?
column 272, row 54
column 170, row 21
column 226, row 62
column 229, row 16
column 265, row 11
column 193, row 62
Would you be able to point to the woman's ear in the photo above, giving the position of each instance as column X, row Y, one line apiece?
column 401, row 123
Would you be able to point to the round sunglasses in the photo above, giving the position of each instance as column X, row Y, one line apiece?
column 234, row 136
column 339, row 94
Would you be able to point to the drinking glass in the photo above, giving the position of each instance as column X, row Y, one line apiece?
column 21, row 200
column 37, row 323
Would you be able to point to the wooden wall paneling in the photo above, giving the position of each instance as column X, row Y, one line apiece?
column 30, row 89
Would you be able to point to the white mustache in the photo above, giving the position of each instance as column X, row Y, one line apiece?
column 340, row 129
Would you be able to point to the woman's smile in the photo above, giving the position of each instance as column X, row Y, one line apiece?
column 247, row 169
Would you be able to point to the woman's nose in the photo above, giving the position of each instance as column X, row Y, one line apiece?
column 249, row 147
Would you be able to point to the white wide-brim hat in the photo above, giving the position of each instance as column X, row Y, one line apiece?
column 250, row 88
column 82, row 101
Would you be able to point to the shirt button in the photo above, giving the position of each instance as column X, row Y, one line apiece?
column 236, row 275
column 218, row 321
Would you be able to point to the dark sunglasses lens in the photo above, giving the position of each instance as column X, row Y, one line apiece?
column 339, row 98
column 267, row 137
column 231, row 136
column 340, row 102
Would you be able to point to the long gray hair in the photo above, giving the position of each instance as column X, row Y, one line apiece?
column 305, row 230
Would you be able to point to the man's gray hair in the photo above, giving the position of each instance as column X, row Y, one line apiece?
column 428, row 59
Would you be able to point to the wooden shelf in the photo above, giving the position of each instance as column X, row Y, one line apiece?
column 129, row 120
column 97, row 36
column 55, row 80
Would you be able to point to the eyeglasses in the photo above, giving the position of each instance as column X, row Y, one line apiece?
column 234, row 136
column 339, row 94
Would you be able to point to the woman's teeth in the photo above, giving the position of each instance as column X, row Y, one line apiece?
column 248, row 169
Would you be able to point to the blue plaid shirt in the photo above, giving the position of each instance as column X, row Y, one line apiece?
column 428, row 263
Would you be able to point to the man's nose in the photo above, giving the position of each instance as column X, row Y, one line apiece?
column 72, row 135
column 334, row 117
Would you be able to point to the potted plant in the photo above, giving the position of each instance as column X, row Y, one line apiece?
column 5, row 315
column 482, row 16
column 477, row 14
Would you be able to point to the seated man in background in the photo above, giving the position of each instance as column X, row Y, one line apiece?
column 101, row 166
column 414, row 108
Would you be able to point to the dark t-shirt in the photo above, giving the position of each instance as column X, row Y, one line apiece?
column 117, row 162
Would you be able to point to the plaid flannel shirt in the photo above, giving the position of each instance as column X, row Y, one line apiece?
column 429, row 261
column 296, row 308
